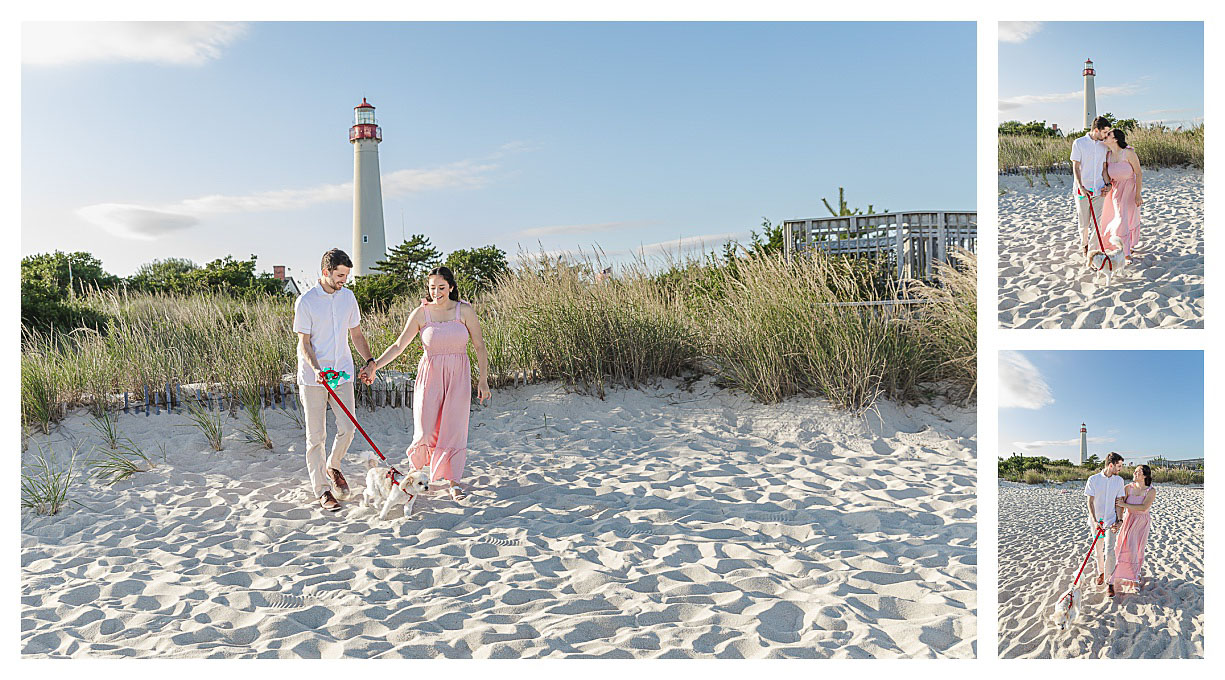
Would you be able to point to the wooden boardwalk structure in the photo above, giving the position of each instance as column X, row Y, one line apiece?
column 911, row 242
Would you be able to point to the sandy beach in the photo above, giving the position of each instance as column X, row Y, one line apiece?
column 678, row 521
column 1043, row 281
column 1042, row 541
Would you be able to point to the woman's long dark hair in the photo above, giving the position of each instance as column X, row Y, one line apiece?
column 445, row 273
column 1148, row 475
column 1120, row 137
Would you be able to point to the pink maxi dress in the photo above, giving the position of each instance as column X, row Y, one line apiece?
column 1129, row 545
column 1121, row 215
column 442, row 397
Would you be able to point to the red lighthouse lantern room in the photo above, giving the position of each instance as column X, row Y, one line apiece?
column 1088, row 69
column 364, row 126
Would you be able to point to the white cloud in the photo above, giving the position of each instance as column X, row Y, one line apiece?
column 136, row 222
column 1047, row 444
column 580, row 228
column 189, row 43
column 1018, row 31
column 1110, row 90
column 149, row 222
column 1021, row 385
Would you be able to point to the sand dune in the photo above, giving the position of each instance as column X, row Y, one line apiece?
column 1042, row 543
column 1043, row 281
column 657, row 523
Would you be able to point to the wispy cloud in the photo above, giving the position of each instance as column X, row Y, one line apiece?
column 183, row 43
column 582, row 228
column 1018, row 31
column 147, row 222
column 1048, row 444
column 1021, row 384
column 1017, row 102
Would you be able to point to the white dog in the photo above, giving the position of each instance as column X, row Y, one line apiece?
column 379, row 486
column 1114, row 261
column 1068, row 608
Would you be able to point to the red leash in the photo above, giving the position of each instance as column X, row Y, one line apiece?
column 1101, row 531
column 1098, row 232
column 394, row 471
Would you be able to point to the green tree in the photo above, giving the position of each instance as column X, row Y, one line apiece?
column 843, row 210
column 70, row 273
column 168, row 275
column 235, row 277
column 1031, row 129
column 411, row 260
column 769, row 242
column 376, row 292
column 49, row 284
column 477, row 269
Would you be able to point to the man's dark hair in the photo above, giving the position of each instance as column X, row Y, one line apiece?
column 1113, row 458
column 1101, row 123
column 334, row 258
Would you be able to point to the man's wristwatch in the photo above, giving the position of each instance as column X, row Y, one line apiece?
column 369, row 361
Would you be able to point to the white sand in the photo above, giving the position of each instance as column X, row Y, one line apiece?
column 1043, row 540
column 659, row 523
column 1043, row 280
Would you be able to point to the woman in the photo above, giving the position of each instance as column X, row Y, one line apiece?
column 1130, row 543
column 442, row 394
column 1121, row 214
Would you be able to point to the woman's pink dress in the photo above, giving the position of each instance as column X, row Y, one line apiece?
column 442, row 397
column 1121, row 215
column 1129, row 545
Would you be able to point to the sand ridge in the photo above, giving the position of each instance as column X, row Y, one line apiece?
column 1043, row 281
column 1043, row 540
column 655, row 523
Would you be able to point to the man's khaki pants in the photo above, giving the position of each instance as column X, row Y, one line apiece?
column 315, row 400
column 1103, row 552
column 1086, row 221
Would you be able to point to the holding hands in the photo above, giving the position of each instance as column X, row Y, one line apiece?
column 366, row 375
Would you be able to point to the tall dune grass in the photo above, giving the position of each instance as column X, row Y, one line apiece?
column 769, row 327
column 1066, row 473
column 1156, row 148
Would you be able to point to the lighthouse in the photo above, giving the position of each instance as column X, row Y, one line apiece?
column 1090, row 98
column 1084, row 444
column 369, row 241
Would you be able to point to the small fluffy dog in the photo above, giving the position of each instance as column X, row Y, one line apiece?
column 1116, row 260
column 379, row 487
column 1068, row 608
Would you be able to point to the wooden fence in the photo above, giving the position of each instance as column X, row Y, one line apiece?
column 173, row 398
column 910, row 242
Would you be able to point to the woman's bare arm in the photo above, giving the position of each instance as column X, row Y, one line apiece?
column 411, row 328
column 468, row 315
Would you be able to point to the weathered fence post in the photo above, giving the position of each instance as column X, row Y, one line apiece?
column 146, row 388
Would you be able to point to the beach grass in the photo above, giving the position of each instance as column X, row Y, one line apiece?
column 1057, row 474
column 772, row 328
column 45, row 484
column 1156, row 147
column 208, row 422
column 120, row 463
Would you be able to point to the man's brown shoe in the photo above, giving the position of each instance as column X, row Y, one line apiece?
column 329, row 502
column 1110, row 590
column 1101, row 578
column 338, row 482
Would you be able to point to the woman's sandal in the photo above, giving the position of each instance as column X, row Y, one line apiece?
column 457, row 494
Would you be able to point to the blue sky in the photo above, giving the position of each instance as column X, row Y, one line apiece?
column 1147, row 70
column 1139, row 403
column 142, row 142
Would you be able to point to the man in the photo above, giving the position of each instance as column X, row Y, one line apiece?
column 1088, row 171
column 1101, row 490
column 324, row 317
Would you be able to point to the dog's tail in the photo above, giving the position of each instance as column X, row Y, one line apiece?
column 371, row 460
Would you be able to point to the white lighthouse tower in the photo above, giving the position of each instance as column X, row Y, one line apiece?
column 369, row 241
column 1090, row 97
column 1084, row 444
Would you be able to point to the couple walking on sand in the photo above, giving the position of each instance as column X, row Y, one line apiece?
column 1120, row 553
column 325, row 317
column 1107, row 178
